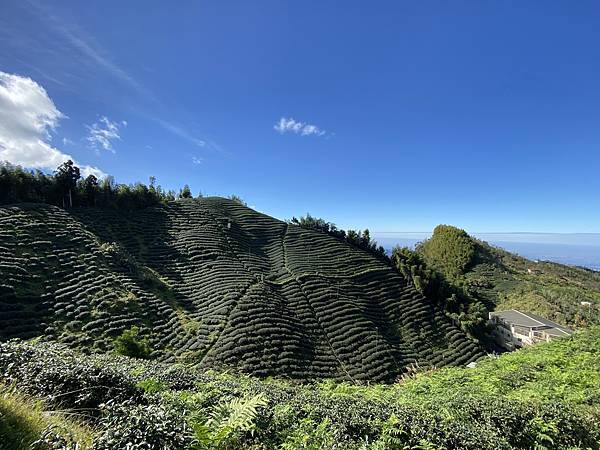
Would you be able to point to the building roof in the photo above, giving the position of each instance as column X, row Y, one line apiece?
column 530, row 320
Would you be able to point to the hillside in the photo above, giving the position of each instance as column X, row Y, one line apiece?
column 548, row 289
column 547, row 396
column 214, row 283
column 453, row 264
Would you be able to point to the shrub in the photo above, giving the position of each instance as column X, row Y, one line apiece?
column 129, row 343
column 136, row 427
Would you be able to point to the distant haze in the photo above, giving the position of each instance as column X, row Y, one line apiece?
column 580, row 249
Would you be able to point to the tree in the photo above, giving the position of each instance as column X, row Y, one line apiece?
column 66, row 188
column 185, row 192
column 238, row 199
column 66, row 176
column 450, row 250
column 360, row 239
column 90, row 185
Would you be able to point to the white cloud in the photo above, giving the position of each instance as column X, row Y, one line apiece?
column 292, row 126
column 27, row 118
column 103, row 133
column 88, row 170
column 197, row 160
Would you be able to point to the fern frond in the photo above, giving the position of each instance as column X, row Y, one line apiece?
column 235, row 415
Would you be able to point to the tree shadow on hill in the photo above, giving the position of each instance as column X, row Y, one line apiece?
column 144, row 248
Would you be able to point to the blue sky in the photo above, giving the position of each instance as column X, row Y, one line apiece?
column 397, row 116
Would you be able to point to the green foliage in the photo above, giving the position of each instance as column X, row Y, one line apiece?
column 19, row 426
column 565, row 370
column 450, row 250
column 66, row 177
column 227, row 422
column 392, row 436
column 452, row 297
column 543, row 433
column 185, row 192
column 313, row 223
column 412, row 266
column 67, row 189
column 468, row 278
column 307, row 434
column 501, row 280
column 129, row 343
column 358, row 238
column 134, row 426
column 25, row 424
column 544, row 396
column 238, row 199
column 151, row 386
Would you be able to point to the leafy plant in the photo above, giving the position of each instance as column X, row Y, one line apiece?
column 309, row 435
column 151, row 386
column 391, row 436
column 129, row 343
column 543, row 433
column 226, row 422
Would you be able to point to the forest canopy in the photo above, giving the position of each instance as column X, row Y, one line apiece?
column 67, row 188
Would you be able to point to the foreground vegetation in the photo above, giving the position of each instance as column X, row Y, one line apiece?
column 542, row 397
column 26, row 423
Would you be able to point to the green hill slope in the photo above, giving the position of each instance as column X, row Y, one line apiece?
column 217, row 284
column 549, row 289
column 452, row 262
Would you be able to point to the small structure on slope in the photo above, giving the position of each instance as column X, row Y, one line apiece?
column 515, row 329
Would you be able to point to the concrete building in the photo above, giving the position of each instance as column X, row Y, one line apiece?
column 515, row 329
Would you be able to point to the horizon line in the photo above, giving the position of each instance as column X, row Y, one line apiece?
column 498, row 232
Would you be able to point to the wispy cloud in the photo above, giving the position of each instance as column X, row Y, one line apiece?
column 293, row 126
column 89, row 51
column 197, row 160
column 103, row 133
column 75, row 40
column 179, row 131
column 28, row 118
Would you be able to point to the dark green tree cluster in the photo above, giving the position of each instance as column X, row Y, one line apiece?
column 449, row 250
column 185, row 192
column 450, row 293
column 357, row 238
column 67, row 188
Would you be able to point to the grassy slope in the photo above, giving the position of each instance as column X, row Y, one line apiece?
column 24, row 421
column 216, row 283
column 545, row 395
column 565, row 370
column 502, row 281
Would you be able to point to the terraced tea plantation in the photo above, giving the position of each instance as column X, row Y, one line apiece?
column 214, row 283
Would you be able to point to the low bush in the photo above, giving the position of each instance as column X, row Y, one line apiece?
column 129, row 343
